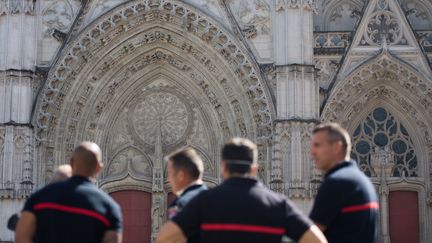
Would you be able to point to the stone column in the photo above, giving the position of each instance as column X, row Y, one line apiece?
column 297, row 100
column 158, row 195
column 17, row 65
column 382, row 161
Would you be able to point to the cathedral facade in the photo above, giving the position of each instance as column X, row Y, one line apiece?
column 143, row 78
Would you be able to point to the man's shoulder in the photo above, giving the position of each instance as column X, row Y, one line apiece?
column 347, row 172
column 50, row 188
column 349, row 178
column 191, row 193
column 105, row 196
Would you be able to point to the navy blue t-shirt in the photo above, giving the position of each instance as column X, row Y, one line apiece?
column 347, row 205
column 188, row 194
column 241, row 210
column 73, row 211
column 177, row 205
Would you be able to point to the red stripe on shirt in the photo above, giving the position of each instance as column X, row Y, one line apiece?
column 356, row 208
column 74, row 210
column 243, row 228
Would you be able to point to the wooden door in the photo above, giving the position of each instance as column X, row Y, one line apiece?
column 136, row 210
column 404, row 217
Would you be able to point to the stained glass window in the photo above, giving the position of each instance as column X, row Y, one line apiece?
column 380, row 129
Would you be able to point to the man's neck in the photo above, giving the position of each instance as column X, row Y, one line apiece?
column 238, row 175
column 337, row 162
column 90, row 178
column 195, row 182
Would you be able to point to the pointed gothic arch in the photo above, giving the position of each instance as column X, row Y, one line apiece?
column 386, row 81
column 341, row 15
column 379, row 76
column 165, row 39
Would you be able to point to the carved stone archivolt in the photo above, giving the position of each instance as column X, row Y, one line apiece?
column 101, row 35
column 125, row 57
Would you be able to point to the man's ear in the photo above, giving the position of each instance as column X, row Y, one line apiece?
column 254, row 169
column 339, row 147
column 223, row 165
column 224, row 171
column 180, row 174
column 99, row 167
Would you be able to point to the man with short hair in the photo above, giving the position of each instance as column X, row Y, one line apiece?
column 346, row 206
column 185, row 170
column 74, row 210
column 241, row 209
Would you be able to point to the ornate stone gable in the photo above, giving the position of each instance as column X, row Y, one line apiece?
column 384, row 26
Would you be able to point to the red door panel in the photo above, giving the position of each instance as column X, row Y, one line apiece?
column 136, row 210
column 404, row 217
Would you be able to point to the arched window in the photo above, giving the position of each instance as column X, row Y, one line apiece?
column 380, row 131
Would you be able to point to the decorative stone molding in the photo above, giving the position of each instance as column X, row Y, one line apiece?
column 129, row 162
column 418, row 13
column 383, row 22
column 254, row 18
column 332, row 39
column 304, row 190
column 16, row 144
column 337, row 15
column 16, row 7
column 429, row 199
column 374, row 80
column 292, row 157
column 296, row 4
column 378, row 93
column 425, row 38
column 130, row 16
column 383, row 25
column 327, row 68
column 58, row 16
column 163, row 108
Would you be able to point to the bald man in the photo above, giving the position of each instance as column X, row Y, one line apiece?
column 74, row 210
